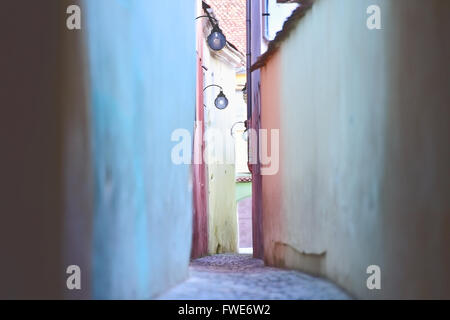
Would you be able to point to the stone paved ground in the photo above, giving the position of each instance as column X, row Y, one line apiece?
column 237, row 277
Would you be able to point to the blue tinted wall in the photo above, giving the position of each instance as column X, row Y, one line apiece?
column 141, row 57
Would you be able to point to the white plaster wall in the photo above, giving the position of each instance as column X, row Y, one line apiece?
column 222, row 220
column 241, row 148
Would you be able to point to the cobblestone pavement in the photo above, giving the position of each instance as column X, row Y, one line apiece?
column 240, row 277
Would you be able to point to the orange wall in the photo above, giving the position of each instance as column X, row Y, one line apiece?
column 364, row 171
column 271, row 184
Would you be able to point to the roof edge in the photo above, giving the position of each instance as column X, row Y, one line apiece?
column 288, row 26
column 209, row 11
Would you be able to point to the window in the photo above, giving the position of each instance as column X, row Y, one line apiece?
column 278, row 13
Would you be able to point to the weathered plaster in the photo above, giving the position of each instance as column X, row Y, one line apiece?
column 219, row 156
column 364, row 119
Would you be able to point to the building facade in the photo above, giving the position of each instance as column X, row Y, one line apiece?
column 363, row 146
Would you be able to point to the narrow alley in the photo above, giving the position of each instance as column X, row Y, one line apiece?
column 241, row 277
column 225, row 149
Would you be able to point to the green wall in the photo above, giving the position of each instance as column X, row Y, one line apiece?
column 243, row 190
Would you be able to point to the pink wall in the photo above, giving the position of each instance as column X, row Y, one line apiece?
column 200, row 214
column 271, row 184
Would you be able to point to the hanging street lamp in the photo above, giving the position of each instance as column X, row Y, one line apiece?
column 216, row 39
column 221, row 101
column 244, row 93
column 232, row 131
